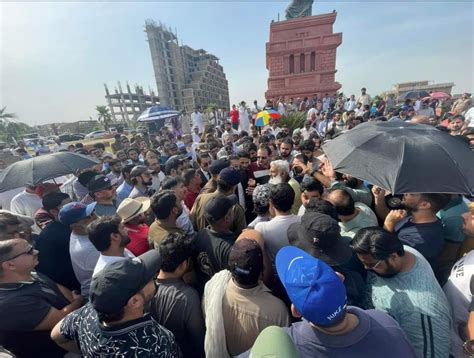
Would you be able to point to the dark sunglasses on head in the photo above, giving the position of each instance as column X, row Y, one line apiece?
column 29, row 251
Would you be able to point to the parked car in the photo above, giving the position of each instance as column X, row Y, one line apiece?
column 96, row 135
column 70, row 137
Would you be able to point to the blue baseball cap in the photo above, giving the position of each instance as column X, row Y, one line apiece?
column 312, row 286
column 75, row 211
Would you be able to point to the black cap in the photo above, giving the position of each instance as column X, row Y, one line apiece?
column 230, row 176
column 98, row 183
column 320, row 235
column 85, row 177
column 217, row 207
column 217, row 165
column 246, row 259
column 53, row 200
column 112, row 287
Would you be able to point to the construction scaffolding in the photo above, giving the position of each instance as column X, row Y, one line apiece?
column 127, row 106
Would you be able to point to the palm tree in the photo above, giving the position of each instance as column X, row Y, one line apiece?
column 5, row 117
column 103, row 115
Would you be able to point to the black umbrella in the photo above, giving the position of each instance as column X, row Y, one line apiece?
column 414, row 94
column 404, row 158
column 38, row 169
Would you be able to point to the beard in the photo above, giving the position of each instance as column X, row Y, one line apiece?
column 125, row 241
column 275, row 180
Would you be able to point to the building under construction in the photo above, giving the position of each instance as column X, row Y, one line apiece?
column 126, row 106
column 185, row 78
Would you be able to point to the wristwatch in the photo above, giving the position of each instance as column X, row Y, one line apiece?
column 469, row 347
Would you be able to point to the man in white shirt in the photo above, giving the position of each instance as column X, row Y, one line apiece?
column 350, row 104
column 255, row 109
column 84, row 255
column 244, row 118
column 326, row 102
column 281, row 106
column 425, row 110
column 27, row 203
column 196, row 118
column 157, row 175
column 196, row 136
column 274, row 232
column 109, row 237
column 307, row 130
column 312, row 111
column 364, row 98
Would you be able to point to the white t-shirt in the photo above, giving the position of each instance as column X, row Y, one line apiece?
column 274, row 233
column 105, row 260
column 7, row 196
column 84, row 258
column 458, row 293
column 27, row 204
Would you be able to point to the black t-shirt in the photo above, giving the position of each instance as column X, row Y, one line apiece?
column 54, row 258
column 177, row 307
column 141, row 337
column 211, row 254
column 23, row 305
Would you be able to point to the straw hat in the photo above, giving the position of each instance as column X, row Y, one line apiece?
column 130, row 208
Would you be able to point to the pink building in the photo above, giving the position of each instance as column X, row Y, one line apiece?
column 301, row 57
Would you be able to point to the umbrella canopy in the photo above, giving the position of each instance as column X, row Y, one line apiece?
column 414, row 94
column 404, row 158
column 440, row 95
column 45, row 167
column 156, row 113
column 263, row 117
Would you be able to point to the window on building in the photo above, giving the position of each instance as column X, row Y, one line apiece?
column 312, row 62
column 292, row 64
column 302, row 62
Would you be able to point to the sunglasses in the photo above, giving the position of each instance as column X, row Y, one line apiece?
column 372, row 266
column 29, row 251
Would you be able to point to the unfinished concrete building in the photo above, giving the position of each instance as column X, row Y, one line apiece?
column 126, row 106
column 185, row 78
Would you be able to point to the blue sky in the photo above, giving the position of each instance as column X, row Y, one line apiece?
column 55, row 57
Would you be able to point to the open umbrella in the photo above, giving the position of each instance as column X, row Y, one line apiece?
column 440, row 95
column 45, row 167
column 414, row 94
column 158, row 113
column 263, row 117
column 404, row 158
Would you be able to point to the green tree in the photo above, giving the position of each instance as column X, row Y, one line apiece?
column 6, row 117
column 104, row 116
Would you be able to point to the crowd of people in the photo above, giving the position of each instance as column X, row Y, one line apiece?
column 197, row 244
